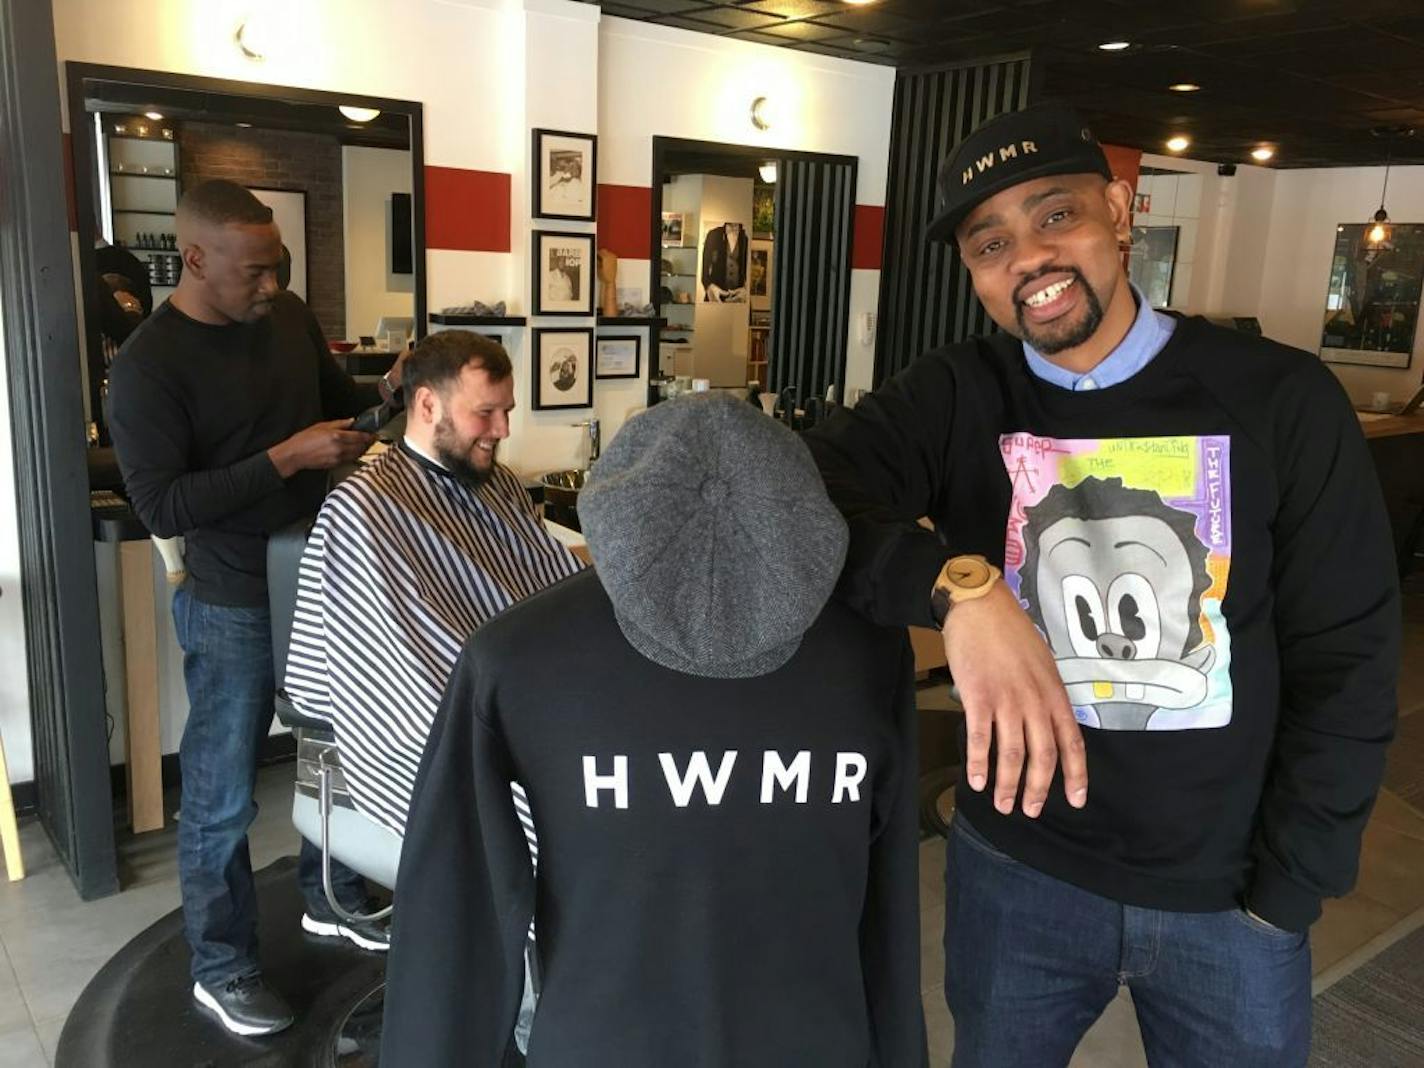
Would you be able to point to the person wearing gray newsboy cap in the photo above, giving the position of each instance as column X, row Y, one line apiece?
column 720, row 765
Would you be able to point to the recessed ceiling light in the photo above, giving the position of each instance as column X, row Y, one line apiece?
column 156, row 116
column 1114, row 46
column 1178, row 143
column 1265, row 152
column 356, row 114
column 245, row 125
column 859, row 3
column 1184, row 87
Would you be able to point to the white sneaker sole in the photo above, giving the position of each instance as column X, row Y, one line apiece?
column 203, row 998
column 336, row 930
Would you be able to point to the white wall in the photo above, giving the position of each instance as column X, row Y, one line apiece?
column 368, row 178
column 1308, row 205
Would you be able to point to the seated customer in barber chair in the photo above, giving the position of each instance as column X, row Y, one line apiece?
column 721, row 765
column 408, row 557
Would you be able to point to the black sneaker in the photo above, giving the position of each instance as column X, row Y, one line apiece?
column 373, row 935
column 245, row 1006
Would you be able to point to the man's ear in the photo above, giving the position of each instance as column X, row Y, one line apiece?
column 194, row 259
column 426, row 405
column 1118, row 195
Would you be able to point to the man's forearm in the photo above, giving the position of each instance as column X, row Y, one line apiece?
column 170, row 505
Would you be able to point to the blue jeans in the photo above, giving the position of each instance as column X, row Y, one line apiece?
column 1031, row 962
column 227, row 666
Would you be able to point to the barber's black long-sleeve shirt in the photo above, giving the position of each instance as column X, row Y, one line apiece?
column 1205, row 548
column 194, row 408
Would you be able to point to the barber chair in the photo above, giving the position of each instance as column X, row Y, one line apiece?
column 322, row 809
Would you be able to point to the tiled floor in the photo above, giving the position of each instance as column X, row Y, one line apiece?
column 52, row 944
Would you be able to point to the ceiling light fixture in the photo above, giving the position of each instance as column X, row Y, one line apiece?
column 859, row 3
column 1263, row 153
column 768, row 172
column 1178, row 143
column 1184, row 87
column 245, row 125
column 1377, row 237
column 156, row 116
column 1114, row 46
column 355, row 114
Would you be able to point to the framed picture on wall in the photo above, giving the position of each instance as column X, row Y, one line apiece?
column 759, row 274
column 1372, row 301
column 563, row 367
column 565, row 174
column 673, row 224
column 618, row 357
column 563, row 273
column 1151, row 262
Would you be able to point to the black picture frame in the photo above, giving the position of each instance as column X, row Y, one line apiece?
column 549, row 147
column 548, row 394
column 544, row 299
column 603, row 339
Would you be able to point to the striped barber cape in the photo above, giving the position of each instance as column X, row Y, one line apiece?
column 404, row 563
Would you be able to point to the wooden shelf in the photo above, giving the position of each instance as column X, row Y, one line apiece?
column 141, row 174
column 442, row 319
column 140, row 211
column 156, row 251
column 630, row 320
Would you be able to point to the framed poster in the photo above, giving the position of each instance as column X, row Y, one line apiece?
column 759, row 274
column 563, row 273
column 289, row 212
column 565, row 174
column 1372, row 301
column 674, row 223
column 618, row 357
column 563, row 367
column 1152, row 261
column 724, row 263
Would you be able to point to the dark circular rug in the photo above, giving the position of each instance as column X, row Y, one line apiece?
column 139, row 1009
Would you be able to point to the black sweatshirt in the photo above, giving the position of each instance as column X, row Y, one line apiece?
column 775, row 927
column 194, row 409
column 1206, row 549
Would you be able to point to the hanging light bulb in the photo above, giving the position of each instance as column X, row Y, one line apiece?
column 1377, row 236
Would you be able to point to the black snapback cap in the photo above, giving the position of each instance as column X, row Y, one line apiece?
column 1009, row 149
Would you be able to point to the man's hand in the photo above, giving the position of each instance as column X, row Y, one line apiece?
column 393, row 376
column 1012, row 693
column 319, row 447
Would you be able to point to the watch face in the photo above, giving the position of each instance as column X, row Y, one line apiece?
column 967, row 573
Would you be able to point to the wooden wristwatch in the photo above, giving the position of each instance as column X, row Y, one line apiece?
column 963, row 578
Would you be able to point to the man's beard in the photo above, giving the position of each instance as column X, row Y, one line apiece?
column 1050, row 343
column 457, row 460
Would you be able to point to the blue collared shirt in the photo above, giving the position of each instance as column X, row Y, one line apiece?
column 1148, row 336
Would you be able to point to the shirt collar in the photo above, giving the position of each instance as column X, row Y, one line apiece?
column 429, row 463
column 1147, row 337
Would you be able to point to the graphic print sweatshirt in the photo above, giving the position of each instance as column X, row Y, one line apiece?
column 1205, row 549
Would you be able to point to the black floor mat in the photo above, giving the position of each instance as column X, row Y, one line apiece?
column 139, row 1009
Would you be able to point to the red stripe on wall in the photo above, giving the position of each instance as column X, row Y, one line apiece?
column 467, row 210
column 867, row 246
column 69, row 200
column 625, row 220
column 1125, row 163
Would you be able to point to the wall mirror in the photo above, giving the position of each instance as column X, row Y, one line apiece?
column 751, row 265
column 1372, row 303
column 344, row 176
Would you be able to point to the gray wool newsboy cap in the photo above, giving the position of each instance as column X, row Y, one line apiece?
column 713, row 535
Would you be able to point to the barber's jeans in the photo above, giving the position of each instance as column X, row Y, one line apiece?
column 227, row 666
column 1031, row 962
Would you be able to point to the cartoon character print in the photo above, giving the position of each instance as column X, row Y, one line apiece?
column 1114, row 578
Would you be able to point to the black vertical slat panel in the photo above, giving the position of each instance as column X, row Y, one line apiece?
column 926, row 298
column 815, row 205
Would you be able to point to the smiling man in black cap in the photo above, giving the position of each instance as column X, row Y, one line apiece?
column 1173, row 530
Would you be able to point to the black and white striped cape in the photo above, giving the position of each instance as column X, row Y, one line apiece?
column 405, row 561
